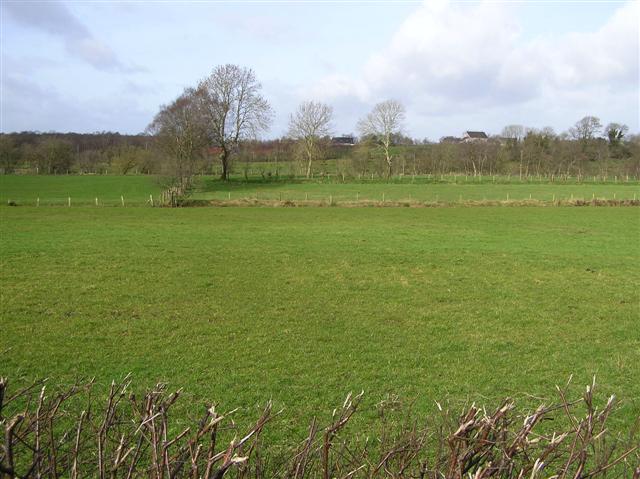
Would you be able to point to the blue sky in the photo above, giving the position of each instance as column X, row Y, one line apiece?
column 95, row 66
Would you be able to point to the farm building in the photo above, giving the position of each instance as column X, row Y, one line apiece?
column 344, row 140
column 473, row 136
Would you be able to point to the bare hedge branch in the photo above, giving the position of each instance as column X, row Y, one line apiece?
column 127, row 436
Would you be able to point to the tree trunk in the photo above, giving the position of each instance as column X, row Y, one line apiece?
column 225, row 165
column 309, row 167
column 388, row 159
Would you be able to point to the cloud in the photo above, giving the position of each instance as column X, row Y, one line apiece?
column 27, row 105
column 577, row 60
column 56, row 20
column 459, row 58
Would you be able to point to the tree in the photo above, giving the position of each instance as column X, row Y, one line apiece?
column 180, row 134
column 308, row 125
column 615, row 132
column 586, row 128
column 382, row 123
column 9, row 154
column 232, row 109
column 548, row 132
column 514, row 133
column 536, row 148
column 129, row 157
column 54, row 156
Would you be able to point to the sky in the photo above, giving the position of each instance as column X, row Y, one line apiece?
column 455, row 65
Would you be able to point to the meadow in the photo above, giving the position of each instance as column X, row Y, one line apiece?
column 425, row 189
column 110, row 190
column 302, row 305
column 135, row 190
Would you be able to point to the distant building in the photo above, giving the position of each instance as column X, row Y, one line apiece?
column 473, row 136
column 345, row 140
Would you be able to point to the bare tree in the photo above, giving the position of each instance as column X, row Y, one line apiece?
column 382, row 123
column 586, row 128
column 308, row 125
column 233, row 109
column 179, row 131
column 548, row 132
column 513, row 132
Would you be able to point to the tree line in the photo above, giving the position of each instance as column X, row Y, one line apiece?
column 215, row 125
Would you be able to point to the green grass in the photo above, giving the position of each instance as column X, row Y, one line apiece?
column 83, row 190
column 303, row 305
column 423, row 190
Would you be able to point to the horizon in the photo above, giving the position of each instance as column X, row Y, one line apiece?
column 456, row 66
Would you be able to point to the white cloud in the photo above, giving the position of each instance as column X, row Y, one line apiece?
column 448, row 58
column 574, row 61
column 55, row 19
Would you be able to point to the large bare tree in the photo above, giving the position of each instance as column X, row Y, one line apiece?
column 382, row 123
column 586, row 129
column 232, row 108
column 180, row 134
column 310, row 122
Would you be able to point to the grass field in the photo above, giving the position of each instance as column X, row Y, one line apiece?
column 303, row 305
column 83, row 190
column 423, row 190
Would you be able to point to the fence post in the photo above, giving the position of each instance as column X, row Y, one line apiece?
column 151, row 199
column 122, row 199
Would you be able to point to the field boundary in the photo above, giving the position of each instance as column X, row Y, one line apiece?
column 402, row 203
column 45, row 439
column 330, row 202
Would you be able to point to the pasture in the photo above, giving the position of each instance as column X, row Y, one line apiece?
column 301, row 305
column 424, row 189
column 83, row 190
